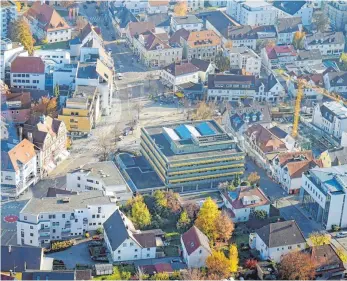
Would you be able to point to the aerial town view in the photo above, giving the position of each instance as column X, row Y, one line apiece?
column 173, row 140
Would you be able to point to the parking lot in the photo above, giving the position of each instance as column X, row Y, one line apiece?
column 9, row 216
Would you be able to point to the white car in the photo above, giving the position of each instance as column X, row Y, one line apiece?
column 119, row 76
column 341, row 234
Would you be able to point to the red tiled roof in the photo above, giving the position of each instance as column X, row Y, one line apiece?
column 193, row 239
column 140, row 27
column 272, row 51
column 47, row 16
column 286, row 157
column 296, row 169
column 28, row 65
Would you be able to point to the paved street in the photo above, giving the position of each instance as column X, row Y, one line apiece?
column 288, row 205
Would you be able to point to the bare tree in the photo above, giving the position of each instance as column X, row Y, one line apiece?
column 193, row 274
column 117, row 132
column 104, row 144
column 204, row 111
column 137, row 107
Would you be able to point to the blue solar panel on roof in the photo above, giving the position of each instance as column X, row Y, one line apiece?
column 183, row 132
column 204, row 129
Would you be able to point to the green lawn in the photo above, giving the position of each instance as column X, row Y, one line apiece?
column 119, row 273
column 201, row 196
column 171, row 251
column 52, row 46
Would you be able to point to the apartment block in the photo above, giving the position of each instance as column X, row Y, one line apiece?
column 82, row 111
column 245, row 59
column 8, row 12
column 63, row 217
column 330, row 44
column 9, row 50
column 337, row 13
column 103, row 176
column 189, row 22
column 197, row 154
column 323, row 194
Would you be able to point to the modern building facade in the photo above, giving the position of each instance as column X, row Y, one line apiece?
column 63, row 217
column 245, row 59
column 194, row 155
column 324, row 195
column 8, row 12
column 337, row 13
column 9, row 50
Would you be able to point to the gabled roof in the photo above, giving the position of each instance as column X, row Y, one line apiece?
column 182, row 68
column 124, row 16
column 155, row 3
column 47, row 16
column 193, row 239
column 241, row 32
column 20, row 258
column 309, row 55
column 289, row 7
column 278, row 132
column 280, row 234
column 337, row 78
column 203, row 38
column 21, row 154
column 288, row 25
column 327, row 37
column 188, row 19
column 177, row 35
column 153, row 41
column 28, row 65
column 202, row 65
column 273, row 52
column 338, row 156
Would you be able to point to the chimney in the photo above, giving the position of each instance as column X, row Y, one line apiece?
column 30, row 137
column 20, row 133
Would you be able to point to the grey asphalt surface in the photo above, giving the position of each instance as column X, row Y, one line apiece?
column 288, row 205
column 9, row 229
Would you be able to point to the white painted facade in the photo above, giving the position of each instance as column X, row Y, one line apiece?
column 306, row 13
column 8, row 14
column 130, row 250
column 157, row 9
column 8, row 53
column 65, row 75
column 39, row 229
column 197, row 259
column 309, row 93
column 245, row 59
column 196, row 25
column 253, row 13
column 218, row 3
column 179, row 79
column 194, row 5
column 58, row 56
column 274, row 254
column 329, row 48
column 28, row 80
column 337, row 89
column 333, row 124
column 330, row 202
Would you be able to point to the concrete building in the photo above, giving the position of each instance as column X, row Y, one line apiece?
column 245, row 59
column 336, row 82
column 43, row 220
column 301, row 9
column 47, row 24
column 192, row 155
column 331, row 117
column 177, row 74
column 230, row 87
column 18, row 168
column 16, row 107
column 158, row 7
column 286, row 28
column 99, row 176
column 205, row 68
column 28, row 73
column 82, row 111
column 154, row 49
column 195, row 248
column 54, row 57
column 330, row 44
column 218, row 3
column 65, row 75
column 277, row 239
column 49, row 135
column 244, row 201
column 8, row 12
column 194, row 5
column 288, row 169
column 269, row 89
column 9, row 50
column 253, row 13
column 323, row 195
column 334, row 157
column 201, row 45
column 124, row 242
column 189, row 22
column 135, row 7
column 337, row 13
column 241, row 36
column 308, row 58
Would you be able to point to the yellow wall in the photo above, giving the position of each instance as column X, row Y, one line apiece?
column 83, row 124
column 325, row 159
column 81, row 112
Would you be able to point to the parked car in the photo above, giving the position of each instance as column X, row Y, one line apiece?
column 341, row 234
column 175, row 260
column 119, row 76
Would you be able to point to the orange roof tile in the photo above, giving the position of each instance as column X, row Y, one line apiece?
column 204, row 38
column 21, row 153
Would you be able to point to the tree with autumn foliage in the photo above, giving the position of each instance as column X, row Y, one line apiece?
column 218, row 265
column 193, row 274
column 253, row 178
column 297, row 266
column 139, row 212
column 173, row 204
column 207, row 217
column 19, row 31
column 181, row 8
column 224, row 227
column 251, row 263
column 192, row 210
column 342, row 254
column 319, row 239
column 298, row 40
column 46, row 106
column 228, row 44
column 204, row 111
column 233, row 258
column 183, row 222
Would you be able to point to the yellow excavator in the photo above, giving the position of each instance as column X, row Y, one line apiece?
column 303, row 84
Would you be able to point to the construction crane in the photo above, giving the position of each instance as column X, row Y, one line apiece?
column 302, row 85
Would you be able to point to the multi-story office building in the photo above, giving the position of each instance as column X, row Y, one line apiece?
column 337, row 13
column 330, row 44
column 8, row 14
column 231, row 87
column 253, row 13
column 301, row 9
column 63, row 217
column 28, row 73
column 99, row 176
column 8, row 51
column 324, row 195
column 331, row 117
column 82, row 111
column 194, row 5
column 197, row 154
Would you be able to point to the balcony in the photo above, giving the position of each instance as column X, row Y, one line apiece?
column 85, row 221
column 44, row 235
column 44, row 230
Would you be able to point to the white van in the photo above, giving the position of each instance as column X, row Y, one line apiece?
column 119, row 76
